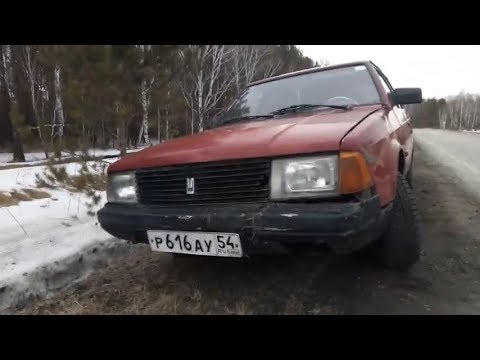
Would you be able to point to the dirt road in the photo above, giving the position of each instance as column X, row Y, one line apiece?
column 446, row 281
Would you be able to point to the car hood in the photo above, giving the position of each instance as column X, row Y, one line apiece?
column 296, row 133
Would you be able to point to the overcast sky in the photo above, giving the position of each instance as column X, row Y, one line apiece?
column 440, row 70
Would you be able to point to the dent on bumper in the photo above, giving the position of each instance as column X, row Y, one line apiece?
column 343, row 227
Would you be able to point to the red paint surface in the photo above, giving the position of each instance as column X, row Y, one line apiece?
column 381, row 137
column 303, row 133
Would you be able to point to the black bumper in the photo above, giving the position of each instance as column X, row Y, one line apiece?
column 263, row 228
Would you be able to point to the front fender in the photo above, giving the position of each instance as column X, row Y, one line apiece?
column 381, row 149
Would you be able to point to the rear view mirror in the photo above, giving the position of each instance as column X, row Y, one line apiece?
column 405, row 96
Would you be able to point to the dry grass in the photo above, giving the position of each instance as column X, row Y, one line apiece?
column 91, row 181
column 149, row 283
column 20, row 196
column 88, row 180
column 36, row 194
column 6, row 199
column 10, row 198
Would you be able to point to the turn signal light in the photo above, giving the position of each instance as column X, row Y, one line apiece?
column 354, row 174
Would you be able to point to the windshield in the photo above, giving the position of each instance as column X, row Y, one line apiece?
column 351, row 85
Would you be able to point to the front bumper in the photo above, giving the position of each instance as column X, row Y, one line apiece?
column 263, row 228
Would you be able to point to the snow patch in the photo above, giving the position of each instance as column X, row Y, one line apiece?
column 45, row 243
column 59, row 272
column 38, row 158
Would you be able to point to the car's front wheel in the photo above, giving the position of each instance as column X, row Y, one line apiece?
column 399, row 247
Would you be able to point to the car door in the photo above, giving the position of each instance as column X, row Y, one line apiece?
column 401, row 124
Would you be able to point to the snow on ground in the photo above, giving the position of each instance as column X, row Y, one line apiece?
column 38, row 158
column 37, row 234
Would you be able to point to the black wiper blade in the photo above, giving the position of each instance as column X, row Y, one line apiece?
column 249, row 117
column 308, row 106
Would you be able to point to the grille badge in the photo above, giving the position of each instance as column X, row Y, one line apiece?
column 190, row 186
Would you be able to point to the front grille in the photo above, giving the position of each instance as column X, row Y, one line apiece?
column 215, row 183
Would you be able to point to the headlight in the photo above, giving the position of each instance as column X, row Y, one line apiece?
column 121, row 188
column 304, row 177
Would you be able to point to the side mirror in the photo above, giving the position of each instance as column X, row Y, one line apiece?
column 405, row 96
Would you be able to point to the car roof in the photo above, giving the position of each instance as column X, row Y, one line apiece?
column 310, row 70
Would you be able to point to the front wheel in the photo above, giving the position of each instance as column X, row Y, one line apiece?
column 400, row 246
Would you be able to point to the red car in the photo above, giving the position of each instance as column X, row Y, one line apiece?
column 315, row 159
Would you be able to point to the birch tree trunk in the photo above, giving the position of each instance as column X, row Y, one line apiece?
column 145, row 104
column 59, row 119
column 200, row 100
column 145, row 100
column 8, row 71
column 122, row 141
column 31, row 72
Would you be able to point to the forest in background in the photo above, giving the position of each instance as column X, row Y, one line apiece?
column 74, row 97
column 459, row 112
column 68, row 97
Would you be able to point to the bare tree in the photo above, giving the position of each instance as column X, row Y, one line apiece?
column 474, row 122
column 30, row 70
column 188, row 92
column 459, row 112
column 30, row 67
column 58, row 115
column 442, row 118
column 245, row 62
column 271, row 68
column 8, row 71
column 145, row 88
column 207, row 78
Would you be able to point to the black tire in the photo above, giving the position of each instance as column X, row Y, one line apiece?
column 399, row 247
column 410, row 176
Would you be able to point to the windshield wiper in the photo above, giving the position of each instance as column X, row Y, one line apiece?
column 309, row 106
column 284, row 111
column 248, row 117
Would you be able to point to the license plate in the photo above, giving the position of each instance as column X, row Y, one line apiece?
column 196, row 243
